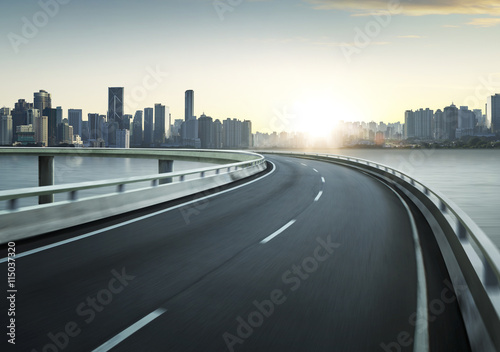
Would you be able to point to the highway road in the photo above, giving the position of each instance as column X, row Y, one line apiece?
column 309, row 256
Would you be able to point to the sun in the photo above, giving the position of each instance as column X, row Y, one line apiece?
column 318, row 115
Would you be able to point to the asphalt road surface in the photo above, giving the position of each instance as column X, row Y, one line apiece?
column 310, row 256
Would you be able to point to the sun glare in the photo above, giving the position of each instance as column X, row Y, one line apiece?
column 317, row 116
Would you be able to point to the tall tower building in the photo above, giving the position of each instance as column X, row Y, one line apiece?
column 450, row 118
column 246, row 134
column 52, row 125
column 160, row 124
column 493, row 112
column 189, row 110
column 19, row 115
column 115, row 105
column 59, row 115
column 42, row 100
column 5, row 127
column 75, row 120
column 148, row 126
column 137, row 129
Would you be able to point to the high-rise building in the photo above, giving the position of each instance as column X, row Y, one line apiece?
column 148, row 126
column 493, row 112
column 123, row 139
column 41, row 128
column 126, row 121
column 409, row 124
column 65, row 132
column 217, row 134
column 439, row 125
column 450, row 121
column 75, row 120
column 115, row 106
column 19, row 115
column 59, row 115
column 6, row 132
column 232, row 133
column 423, row 123
column 246, row 134
column 136, row 139
column 466, row 122
column 51, row 125
column 31, row 115
column 85, row 131
column 206, row 132
column 95, row 122
column 189, row 101
column 160, row 124
column 42, row 101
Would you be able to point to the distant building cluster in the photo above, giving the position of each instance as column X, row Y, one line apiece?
column 424, row 125
column 452, row 122
column 38, row 124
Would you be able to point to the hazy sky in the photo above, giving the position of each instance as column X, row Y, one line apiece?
column 283, row 64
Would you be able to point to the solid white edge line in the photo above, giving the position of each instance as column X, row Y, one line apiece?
column 270, row 237
column 112, row 227
column 323, row 180
column 421, row 336
column 318, row 196
column 130, row 330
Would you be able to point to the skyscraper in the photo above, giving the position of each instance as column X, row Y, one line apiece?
column 51, row 125
column 493, row 112
column 6, row 132
column 115, row 106
column 450, row 117
column 148, row 126
column 246, row 134
column 160, row 124
column 59, row 115
column 189, row 100
column 19, row 115
column 137, row 129
column 42, row 101
column 95, row 122
column 75, row 120
column 409, row 124
column 206, row 132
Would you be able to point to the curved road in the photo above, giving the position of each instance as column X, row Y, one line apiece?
column 309, row 257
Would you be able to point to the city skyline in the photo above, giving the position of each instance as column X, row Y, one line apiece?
column 257, row 60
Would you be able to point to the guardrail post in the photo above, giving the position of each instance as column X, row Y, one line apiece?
column 490, row 280
column 45, row 177
column 462, row 233
column 12, row 204
column 165, row 166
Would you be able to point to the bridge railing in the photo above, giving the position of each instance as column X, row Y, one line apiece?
column 73, row 189
column 18, row 223
column 472, row 259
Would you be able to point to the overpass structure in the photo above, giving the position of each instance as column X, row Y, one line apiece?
column 287, row 252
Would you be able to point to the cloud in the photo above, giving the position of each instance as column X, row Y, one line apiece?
column 345, row 45
column 450, row 26
column 411, row 7
column 484, row 22
column 411, row 36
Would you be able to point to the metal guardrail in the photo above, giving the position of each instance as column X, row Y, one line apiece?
column 476, row 255
column 163, row 187
column 73, row 188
